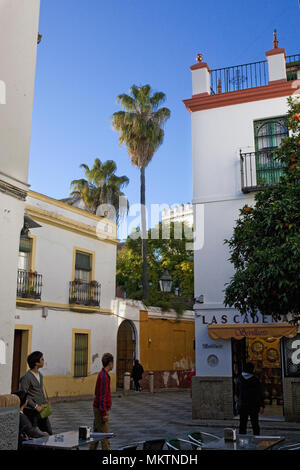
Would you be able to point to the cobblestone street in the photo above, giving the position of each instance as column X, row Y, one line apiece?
column 142, row 416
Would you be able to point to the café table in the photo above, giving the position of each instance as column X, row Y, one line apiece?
column 65, row 440
column 244, row 442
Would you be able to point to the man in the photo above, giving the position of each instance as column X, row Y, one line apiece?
column 137, row 375
column 26, row 430
column 32, row 384
column 102, row 400
column 250, row 399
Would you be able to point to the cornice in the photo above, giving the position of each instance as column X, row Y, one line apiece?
column 72, row 225
column 273, row 90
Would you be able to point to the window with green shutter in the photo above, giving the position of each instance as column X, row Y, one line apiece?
column 83, row 266
column 81, row 355
column 25, row 253
column 268, row 135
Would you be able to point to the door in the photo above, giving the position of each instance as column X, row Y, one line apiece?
column 17, row 357
column 125, row 350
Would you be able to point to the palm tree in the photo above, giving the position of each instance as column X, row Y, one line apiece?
column 140, row 129
column 101, row 186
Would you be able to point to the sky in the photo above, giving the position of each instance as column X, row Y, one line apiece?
column 93, row 50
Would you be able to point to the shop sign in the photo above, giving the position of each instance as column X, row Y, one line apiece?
column 237, row 319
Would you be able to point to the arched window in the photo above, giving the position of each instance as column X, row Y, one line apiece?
column 268, row 136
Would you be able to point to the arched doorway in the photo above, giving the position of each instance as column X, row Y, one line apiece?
column 126, row 343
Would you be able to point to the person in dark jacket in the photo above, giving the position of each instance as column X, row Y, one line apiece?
column 250, row 399
column 137, row 375
column 26, row 430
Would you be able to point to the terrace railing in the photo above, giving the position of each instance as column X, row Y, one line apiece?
column 260, row 169
column 240, row 77
column 254, row 74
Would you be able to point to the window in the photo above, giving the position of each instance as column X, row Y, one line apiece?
column 81, row 355
column 25, row 253
column 268, row 135
column 83, row 266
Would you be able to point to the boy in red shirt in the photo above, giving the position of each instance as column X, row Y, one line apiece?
column 102, row 400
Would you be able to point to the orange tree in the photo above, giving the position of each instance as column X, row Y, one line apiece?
column 265, row 245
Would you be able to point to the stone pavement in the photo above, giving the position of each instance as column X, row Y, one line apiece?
column 142, row 416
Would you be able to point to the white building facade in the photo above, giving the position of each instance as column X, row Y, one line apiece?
column 65, row 295
column 18, row 44
column 238, row 117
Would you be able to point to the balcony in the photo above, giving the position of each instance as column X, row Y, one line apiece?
column 84, row 293
column 260, row 169
column 29, row 285
column 254, row 74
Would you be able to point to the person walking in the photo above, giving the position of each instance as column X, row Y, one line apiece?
column 250, row 400
column 137, row 375
column 32, row 384
column 102, row 401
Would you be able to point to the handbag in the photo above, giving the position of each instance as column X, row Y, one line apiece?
column 47, row 410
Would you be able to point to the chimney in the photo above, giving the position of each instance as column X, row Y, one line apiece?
column 276, row 62
column 200, row 77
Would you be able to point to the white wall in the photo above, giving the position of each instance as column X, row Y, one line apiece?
column 18, row 42
column 218, row 134
column 11, row 222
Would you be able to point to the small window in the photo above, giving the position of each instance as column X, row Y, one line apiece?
column 81, row 355
column 83, row 266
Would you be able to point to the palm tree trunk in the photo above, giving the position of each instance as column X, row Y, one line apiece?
column 144, row 236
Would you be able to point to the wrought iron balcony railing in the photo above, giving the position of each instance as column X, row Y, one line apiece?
column 84, row 293
column 29, row 284
column 259, row 169
column 254, row 74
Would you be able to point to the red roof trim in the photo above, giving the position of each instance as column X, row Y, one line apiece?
column 273, row 90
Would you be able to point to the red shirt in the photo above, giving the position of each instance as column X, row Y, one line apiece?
column 102, row 398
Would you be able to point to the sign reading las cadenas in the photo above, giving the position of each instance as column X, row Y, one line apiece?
column 2, row 92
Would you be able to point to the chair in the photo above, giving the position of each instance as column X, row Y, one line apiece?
column 289, row 447
column 180, row 444
column 196, row 438
column 155, row 444
column 130, row 447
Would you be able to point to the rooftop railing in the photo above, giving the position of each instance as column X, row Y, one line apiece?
column 254, row 74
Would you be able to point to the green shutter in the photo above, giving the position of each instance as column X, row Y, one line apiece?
column 25, row 244
column 83, row 261
column 81, row 355
column 268, row 134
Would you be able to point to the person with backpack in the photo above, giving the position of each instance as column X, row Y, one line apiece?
column 250, row 400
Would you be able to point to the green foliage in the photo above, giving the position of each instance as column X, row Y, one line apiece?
column 265, row 245
column 163, row 253
column 140, row 124
column 100, row 186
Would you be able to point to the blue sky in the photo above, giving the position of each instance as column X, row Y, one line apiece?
column 93, row 50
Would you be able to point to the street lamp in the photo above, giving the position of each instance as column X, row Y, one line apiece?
column 165, row 282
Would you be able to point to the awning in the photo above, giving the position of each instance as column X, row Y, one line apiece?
column 261, row 330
